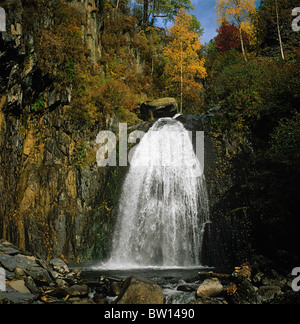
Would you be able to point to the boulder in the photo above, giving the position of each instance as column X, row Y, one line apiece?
column 209, row 288
column 165, row 107
column 267, row 293
column 19, row 286
column 40, row 276
column 8, row 263
column 59, row 265
column 78, row 291
column 242, row 293
column 138, row 290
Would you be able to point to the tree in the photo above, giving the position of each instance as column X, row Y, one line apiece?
column 227, row 38
column 239, row 12
column 183, row 66
column 274, row 33
column 166, row 9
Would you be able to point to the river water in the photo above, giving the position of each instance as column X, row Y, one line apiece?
column 172, row 280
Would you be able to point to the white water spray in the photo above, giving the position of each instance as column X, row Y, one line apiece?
column 163, row 207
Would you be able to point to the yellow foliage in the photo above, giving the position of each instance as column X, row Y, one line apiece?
column 182, row 56
column 236, row 11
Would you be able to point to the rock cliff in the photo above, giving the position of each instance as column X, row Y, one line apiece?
column 54, row 198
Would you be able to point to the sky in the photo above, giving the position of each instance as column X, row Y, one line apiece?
column 206, row 13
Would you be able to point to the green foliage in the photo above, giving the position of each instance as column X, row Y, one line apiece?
column 61, row 50
column 285, row 143
column 248, row 92
column 258, row 116
column 39, row 104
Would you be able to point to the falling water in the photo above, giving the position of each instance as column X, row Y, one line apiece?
column 163, row 207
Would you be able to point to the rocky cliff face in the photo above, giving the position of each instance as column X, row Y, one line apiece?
column 53, row 197
column 228, row 238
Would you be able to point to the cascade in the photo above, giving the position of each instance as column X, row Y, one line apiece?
column 163, row 206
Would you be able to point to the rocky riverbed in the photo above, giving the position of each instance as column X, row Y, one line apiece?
column 32, row 280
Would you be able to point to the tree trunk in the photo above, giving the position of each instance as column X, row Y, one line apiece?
column 242, row 44
column 181, row 78
column 146, row 10
column 279, row 33
column 153, row 13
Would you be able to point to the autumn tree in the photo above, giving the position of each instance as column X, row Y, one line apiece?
column 227, row 38
column 184, row 68
column 239, row 12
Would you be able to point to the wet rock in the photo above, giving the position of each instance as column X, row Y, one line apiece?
column 115, row 288
column 209, row 288
column 100, row 299
column 186, row 288
column 138, row 290
column 59, row 265
column 78, row 291
column 242, row 293
column 165, row 107
column 267, row 293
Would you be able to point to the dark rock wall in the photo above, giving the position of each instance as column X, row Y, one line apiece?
column 228, row 238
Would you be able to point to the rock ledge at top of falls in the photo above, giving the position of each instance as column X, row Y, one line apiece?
column 160, row 108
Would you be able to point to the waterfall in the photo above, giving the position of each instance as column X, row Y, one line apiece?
column 163, row 206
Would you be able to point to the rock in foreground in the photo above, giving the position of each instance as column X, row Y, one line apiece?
column 137, row 290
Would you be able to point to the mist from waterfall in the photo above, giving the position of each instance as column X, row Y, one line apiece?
column 163, row 206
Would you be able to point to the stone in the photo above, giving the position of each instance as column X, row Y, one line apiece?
column 25, row 262
column 186, row 288
column 242, row 293
column 40, row 276
column 19, row 286
column 30, row 284
column 209, row 288
column 165, row 107
column 138, row 290
column 8, row 263
column 267, row 293
column 59, row 265
column 8, row 250
column 11, row 296
column 115, row 288
column 61, row 283
column 19, row 272
column 78, row 291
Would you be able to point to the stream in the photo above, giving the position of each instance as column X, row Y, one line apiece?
column 178, row 284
